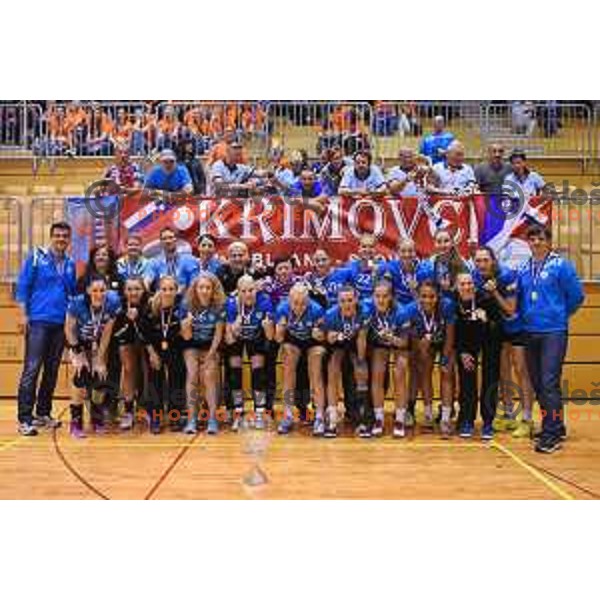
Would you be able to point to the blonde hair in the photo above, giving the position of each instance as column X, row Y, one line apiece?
column 156, row 300
column 218, row 294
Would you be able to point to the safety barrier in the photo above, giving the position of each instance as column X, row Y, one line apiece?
column 313, row 126
column 543, row 129
column 11, row 236
column 43, row 212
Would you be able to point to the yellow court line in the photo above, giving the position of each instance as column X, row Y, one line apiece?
column 537, row 474
column 10, row 444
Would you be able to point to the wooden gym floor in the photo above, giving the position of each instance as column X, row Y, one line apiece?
column 173, row 466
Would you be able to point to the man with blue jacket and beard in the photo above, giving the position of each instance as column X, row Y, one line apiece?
column 44, row 288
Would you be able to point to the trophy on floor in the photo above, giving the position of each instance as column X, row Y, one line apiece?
column 255, row 444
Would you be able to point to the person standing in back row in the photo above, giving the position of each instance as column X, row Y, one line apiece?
column 44, row 288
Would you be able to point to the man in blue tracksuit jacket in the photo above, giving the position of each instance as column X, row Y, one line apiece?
column 549, row 293
column 45, row 285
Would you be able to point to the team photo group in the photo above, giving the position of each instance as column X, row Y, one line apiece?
column 212, row 341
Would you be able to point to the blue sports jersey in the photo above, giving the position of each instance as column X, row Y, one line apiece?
column 252, row 318
column 435, row 270
column 90, row 324
column 300, row 328
column 184, row 267
column 362, row 278
column 335, row 321
column 393, row 270
column 212, row 265
column 435, row 326
column 393, row 320
column 204, row 322
column 330, row 285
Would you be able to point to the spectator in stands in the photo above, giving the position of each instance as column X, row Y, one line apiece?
column 44, row 288
column 100, row 132
column 521, row 177
column 402, row 180
column 142, row 131
column 219, row 150
column 363, row 178
column 230, row 176
column 168, row 129
column 523, row 118
column 453, row 176
column 490, row 175
column 186, row 156
column 435, row 144
column 331, row 173
column 168, row 176
column 309, row 188
column 125, row 173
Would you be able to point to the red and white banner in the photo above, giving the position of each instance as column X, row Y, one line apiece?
column 273, row 226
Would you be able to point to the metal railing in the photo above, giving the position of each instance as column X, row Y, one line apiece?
column 11, row 238
column 543, row 129
column 313, row 126
column 43, row 211
column 91, row 129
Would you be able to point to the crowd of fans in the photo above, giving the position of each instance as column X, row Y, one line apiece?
column 75, row 128
column 438, row 167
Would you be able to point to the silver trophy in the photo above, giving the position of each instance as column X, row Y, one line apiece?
column 255, row 443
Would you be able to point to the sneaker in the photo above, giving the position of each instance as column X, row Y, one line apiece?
column 27, row 429
column 99, row 428
column 445, row 429
column 504, row 423
column 236, row 423
column 562, row 433
column 548, row 444
column 330, row 431
column 318, row 427
column 212, row 427
column 259, row 421
column 76, row 430
column 191, row 427
column 285, row 426
column 126, row 422
column 155, row 426
column 487, row 432
column 46, row 422
column 377, row 429
column 524, row 429
column 399, row 429
column 466, row 430
column 362, row 431
column 409, row 419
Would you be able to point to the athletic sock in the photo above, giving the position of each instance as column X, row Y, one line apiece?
column 332, row 411
column 527, row 414
column 379, row 414
column 76, row 413
column 446, row 412
column 400, row 414
column 429, row 412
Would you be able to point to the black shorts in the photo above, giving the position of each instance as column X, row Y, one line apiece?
column 252, row 347
column 302, row 345
column 203, row 345
column 126, row 336
column 518, row 338
column 348, row 346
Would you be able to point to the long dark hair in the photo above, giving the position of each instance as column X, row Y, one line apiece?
column 91, row 273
